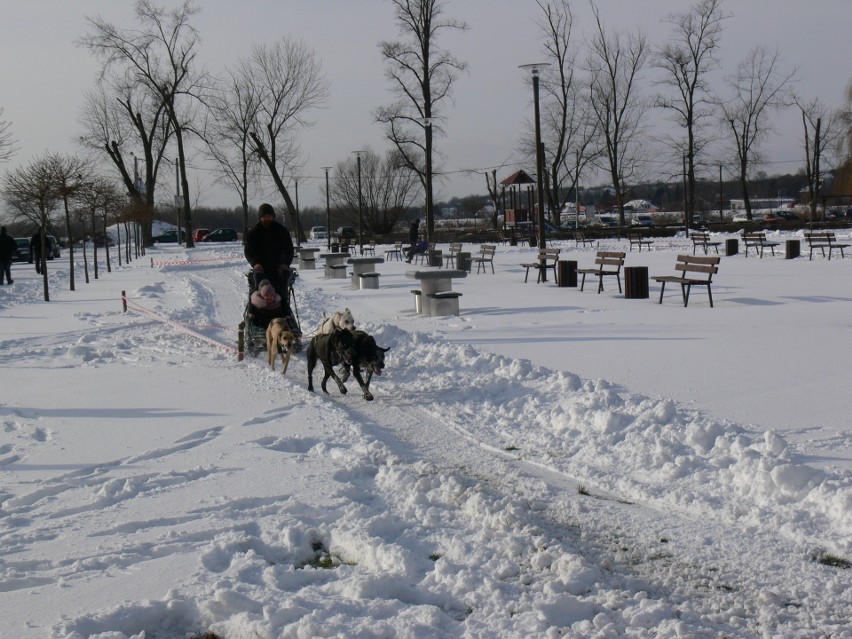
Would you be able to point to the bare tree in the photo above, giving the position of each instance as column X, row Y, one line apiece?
column 7, row 142
column 615, row 61
column 69, row 174
column 823, row 130
column 568, row 130
column 30, row 191
column 758, row 88
column 421, row 78
column 388, row 189
column 161, row 57
column 97, row 197
column 686, row 61
column 118, row 117
column 232, row 113
column 286, row 78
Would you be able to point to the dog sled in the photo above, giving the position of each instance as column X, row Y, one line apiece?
column 256, row 321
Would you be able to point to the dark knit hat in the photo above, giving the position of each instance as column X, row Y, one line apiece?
column 265, row 209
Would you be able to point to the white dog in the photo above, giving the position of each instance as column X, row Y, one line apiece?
column 341, row 320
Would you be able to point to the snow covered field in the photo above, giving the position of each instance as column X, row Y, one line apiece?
column 552, row 463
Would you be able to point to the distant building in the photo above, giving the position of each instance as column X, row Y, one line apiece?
column 765, row 203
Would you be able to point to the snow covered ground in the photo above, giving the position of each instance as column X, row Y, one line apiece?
column 552, row 463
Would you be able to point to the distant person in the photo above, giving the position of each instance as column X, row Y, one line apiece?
column 8, row 248
column 35, row 249
column 413, row 234
column 269, row 250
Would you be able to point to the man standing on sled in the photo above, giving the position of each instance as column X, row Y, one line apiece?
column 269, row 250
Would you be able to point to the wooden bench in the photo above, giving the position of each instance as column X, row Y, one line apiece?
column 703, row 240
column 695, row 271
column 547, row 258
column 635, row 238
column 822, row 241
column 452, row 253
column 580, row 237
column 486, row 256
column 369, row 248
column 758, row 242
column 608, row 263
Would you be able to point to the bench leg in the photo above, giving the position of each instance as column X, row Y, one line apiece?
column 600, row 284
column 527, row 275
column 618, row 278
column 583, row 283
column 684, row 289
column 710, row 295
column 662, row 290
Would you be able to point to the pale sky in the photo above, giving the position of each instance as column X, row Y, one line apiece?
column 45, row 74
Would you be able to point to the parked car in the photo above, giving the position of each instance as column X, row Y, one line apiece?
column 345, row 233
column 169, row 235
column 222, row 235
column 605, row 220
column 52, row 247
column 200, row 234
column 22, row 253
column 642, row 219
column 319, row 233
column 789, row 216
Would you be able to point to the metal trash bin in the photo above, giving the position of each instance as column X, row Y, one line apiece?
column 732, row 247
column 636, row 282
column 463, row 261
column 436, row 257
column 335, row 247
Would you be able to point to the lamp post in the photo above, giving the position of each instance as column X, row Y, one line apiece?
column 430, row 220
column 327, row 210
column 539, row 160
column 360, row 205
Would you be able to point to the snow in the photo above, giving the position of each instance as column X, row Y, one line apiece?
column 551, row 463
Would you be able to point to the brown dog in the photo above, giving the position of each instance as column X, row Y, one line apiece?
column 279, row 339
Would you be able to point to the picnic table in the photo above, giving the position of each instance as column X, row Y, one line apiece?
column 307, row 258
column 436, row 296
column 335, row 269
column 364, row 271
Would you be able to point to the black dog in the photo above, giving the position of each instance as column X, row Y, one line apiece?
column 368, row 355
column 331, row 349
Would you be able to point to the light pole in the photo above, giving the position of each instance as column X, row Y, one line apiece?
column 539, row 161
column 430, row 220
column 360, row 205
column 327, row 210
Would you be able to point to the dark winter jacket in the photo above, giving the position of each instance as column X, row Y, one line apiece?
column 271, row 248
column 413, row 233
column 8, row 246
column 35, row 245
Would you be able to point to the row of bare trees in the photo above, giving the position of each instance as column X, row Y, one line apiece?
column 88, row 203
column 154, row 98
column 594, row 109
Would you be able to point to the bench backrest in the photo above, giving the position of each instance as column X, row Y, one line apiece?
column 700, row 238
column 455, row 247
column 609, row 259
column 700, row 264
column 754, row 237
column 487, row 250
column 825, row 236
column 549, row 254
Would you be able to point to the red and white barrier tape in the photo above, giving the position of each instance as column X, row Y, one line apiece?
column 184, row 329
column 183, row 262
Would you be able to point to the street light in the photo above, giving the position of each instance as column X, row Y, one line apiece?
column 360, row 205
column 427, row 125
column 539, row 160
column 327, row 209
